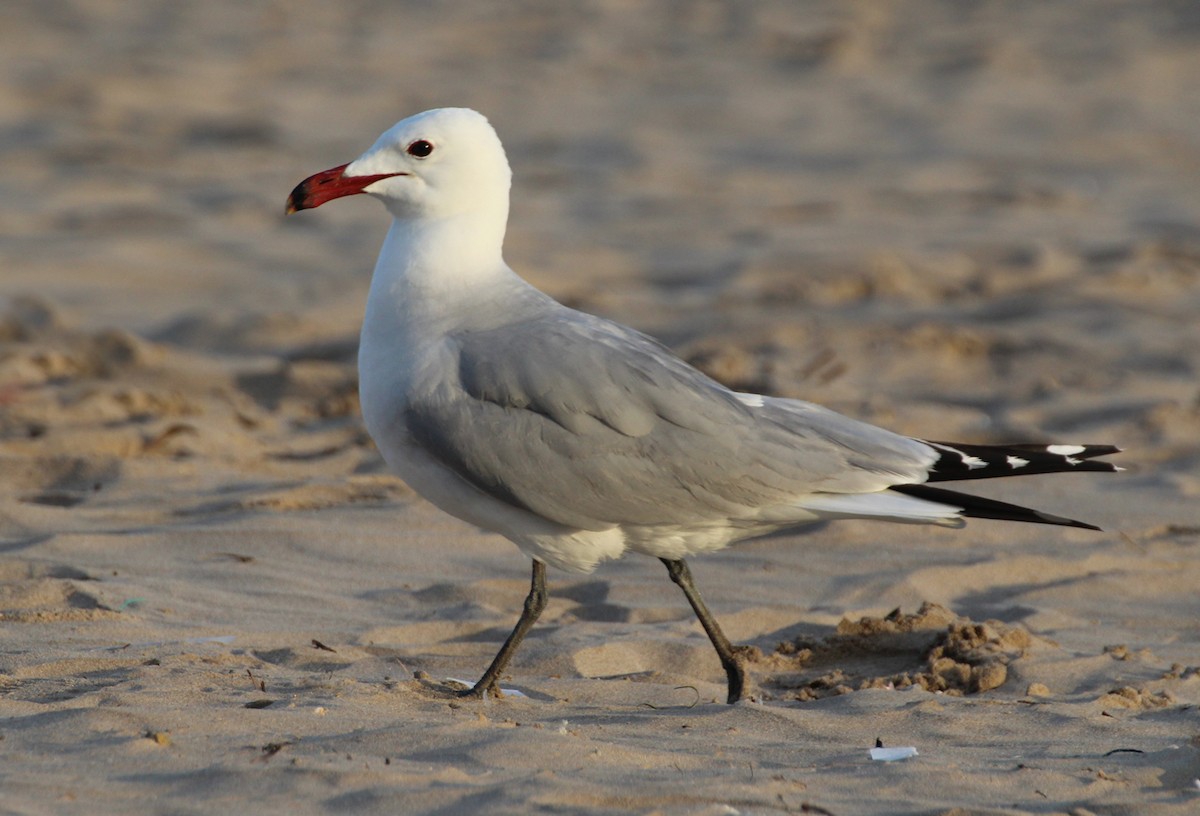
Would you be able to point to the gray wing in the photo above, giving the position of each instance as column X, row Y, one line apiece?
column 591, row 424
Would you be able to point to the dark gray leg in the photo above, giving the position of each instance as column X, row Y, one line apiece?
column 535, row 602
column 682, row 576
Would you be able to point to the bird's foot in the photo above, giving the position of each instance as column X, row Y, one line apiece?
column 479, row 691
column 735, row 672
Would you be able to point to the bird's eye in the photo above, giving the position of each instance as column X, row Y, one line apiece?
column 420, row 148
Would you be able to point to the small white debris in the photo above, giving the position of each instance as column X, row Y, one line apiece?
column 893, row 754
column 319, row 711
column 562, row 728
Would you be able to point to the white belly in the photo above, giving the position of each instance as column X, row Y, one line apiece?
column 381, row 389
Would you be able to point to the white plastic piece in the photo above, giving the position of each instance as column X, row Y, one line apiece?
column 893, row 754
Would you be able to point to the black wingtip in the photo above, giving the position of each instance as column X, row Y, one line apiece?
column 1076, row 451
column 971, row 506
column 958, row 462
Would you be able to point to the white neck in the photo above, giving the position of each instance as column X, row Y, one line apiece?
column 434, row 255
column 429, row 268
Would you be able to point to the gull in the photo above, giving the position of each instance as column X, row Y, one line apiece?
column 579, row 439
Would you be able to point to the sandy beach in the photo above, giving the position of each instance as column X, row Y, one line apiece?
column 977, row 222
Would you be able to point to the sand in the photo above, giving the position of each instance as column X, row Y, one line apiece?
column 964, row 221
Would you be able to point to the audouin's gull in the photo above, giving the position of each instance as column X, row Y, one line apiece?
column 577, row 438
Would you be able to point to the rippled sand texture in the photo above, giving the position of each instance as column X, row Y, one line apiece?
column 964, row 221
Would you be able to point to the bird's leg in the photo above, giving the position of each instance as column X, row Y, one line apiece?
column 535, row 602
column 682, row 576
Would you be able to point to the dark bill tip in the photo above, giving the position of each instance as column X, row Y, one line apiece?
column 328, row 185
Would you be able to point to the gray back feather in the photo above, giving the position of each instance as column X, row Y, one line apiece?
column 590, row 424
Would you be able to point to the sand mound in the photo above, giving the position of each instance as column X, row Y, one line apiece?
column 933, row 649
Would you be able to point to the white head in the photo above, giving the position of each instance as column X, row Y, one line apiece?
column 437, row 164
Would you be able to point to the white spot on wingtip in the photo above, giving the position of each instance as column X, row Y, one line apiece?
column 970, row 462
column 1065, row 450
column 1015, row 462
column 752, row 400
